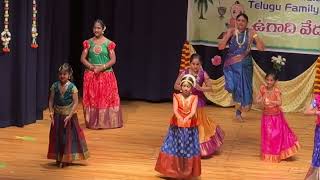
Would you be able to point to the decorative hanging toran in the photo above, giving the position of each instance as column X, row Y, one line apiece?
column 34, row 32
column 6, row 35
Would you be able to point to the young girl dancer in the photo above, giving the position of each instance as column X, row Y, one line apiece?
column 180, row 153
column 66, row 141
column 278, row 141
column 210, row 134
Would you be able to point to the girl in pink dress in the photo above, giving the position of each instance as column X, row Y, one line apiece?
column 278, row 141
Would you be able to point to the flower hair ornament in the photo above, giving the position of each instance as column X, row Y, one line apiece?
column 189, row 79
column 34, row 31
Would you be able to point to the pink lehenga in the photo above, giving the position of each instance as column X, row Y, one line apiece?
column 278, row 141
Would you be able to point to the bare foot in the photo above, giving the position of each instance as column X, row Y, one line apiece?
column 309, row 174
column 58, row 163
column 61, row 165
column 239, row 118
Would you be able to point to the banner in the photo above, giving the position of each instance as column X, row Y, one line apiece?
column 283, row 25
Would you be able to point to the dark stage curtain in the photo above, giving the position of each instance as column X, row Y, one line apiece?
column 149, row 37
column 26, row 73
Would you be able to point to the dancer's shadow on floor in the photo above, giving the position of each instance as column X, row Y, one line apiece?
column 53, row 165
column 169, row 178
column 216, row 153
column 291, row 159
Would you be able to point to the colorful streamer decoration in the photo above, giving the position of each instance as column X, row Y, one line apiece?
column 34, row 31
column 5, row 34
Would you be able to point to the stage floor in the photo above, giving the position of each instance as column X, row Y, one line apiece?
column 131, row 152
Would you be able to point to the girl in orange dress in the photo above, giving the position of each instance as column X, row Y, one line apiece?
column 180, row 153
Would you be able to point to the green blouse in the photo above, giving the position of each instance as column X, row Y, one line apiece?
column 99, row 54
column 63, row 102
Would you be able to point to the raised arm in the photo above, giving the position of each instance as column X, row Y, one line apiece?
column 259, row 43
column 224, row 41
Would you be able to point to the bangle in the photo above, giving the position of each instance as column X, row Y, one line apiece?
column 104, row 66
column 255, row 36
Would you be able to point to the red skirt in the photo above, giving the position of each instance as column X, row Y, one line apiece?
column 67, row 144
column 101, row 100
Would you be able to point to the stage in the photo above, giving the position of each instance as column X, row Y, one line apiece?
column 131, row 152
